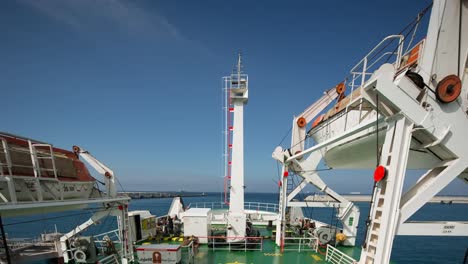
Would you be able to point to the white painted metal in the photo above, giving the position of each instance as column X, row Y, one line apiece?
column 442, row 228
column 299, row 133
column 281, row 220
column 109, row 178
column 335, row 256
column 238, row 92
column 177, row 207
column 15, row 189
column 54, row 195
column 347, row 212
column 385, row 211
column 421, row 132
column 197, row 222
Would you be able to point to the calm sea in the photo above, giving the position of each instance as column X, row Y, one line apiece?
column 405, row 250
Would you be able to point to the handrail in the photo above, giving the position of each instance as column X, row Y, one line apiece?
column 401, row 37
column 259, row 206
column 302, row 243
column 364, row 61
column 335, row 256
column 244, row 243
column 35, row 156
column 111, row 259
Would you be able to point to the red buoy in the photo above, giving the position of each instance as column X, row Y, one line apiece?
column 380, row 173
column 285, row 174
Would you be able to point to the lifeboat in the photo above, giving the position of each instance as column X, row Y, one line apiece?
column 34, row 171
column 359, row 150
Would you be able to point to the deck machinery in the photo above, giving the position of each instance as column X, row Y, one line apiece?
column 410, row 113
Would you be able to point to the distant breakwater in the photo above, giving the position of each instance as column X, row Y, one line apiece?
column 152, row 195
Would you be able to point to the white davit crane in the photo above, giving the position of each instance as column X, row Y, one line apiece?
column 410, row 113
column 306, row 168
column 114, row 206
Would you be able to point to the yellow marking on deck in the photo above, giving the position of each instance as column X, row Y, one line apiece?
column 315, row 257
column 235, row 262
column 273, row 254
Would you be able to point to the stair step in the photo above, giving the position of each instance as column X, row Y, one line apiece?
column 372, row 244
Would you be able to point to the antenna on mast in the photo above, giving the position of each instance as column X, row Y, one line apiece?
column 239, row 63
column 238, row 67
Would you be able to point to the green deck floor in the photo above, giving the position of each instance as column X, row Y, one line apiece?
column 269, row 254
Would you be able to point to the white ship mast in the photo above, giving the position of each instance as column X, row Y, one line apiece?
column 236, row 91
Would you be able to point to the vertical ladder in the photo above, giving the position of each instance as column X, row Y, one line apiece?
column 281, row 222
column 9, row 175
column 7, row 163
column 125, row 235
column 385, row 212
column 35, row 158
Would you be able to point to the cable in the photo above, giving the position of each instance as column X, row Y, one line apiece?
column 53, row 217
column 284, row 137
column 327, row 169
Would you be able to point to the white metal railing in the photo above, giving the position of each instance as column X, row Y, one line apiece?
column 335, row 256
column 111, row 259
column 257, row 206
column 353, row 113
column 46, row 153
column 190, row 249
column 359, row 75
column 361, row 69
column 301, row 244
column 244, row 244
column 102, row 240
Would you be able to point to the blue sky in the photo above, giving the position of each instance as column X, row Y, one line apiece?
column 138, row 83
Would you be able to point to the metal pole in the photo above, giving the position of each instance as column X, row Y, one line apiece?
column 5, row 244
column 465, row 260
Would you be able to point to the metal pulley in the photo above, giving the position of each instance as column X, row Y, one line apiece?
column 448, row 89
column 301, row 122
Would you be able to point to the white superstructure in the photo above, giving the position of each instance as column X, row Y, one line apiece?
column 408, row 112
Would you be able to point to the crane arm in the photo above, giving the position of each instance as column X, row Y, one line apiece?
column 300, row 122
column 102, row 169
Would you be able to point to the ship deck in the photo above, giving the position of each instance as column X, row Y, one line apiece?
column 269, row 252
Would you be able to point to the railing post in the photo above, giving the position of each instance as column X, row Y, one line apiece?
column 400, row 51
column 364, row 68
column 326, row 254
